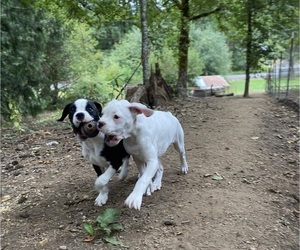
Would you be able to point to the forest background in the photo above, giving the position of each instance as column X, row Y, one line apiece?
column 53, row 52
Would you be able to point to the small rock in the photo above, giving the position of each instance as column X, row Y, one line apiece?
column 63, row 247
column 186, row 222
column 24, row 215
column 44, row 242
column 16, row 173
column 20, row 147
column 51, row 143
column 14, row 163
column 22, row 199
column 5, row 198
column 169, row 223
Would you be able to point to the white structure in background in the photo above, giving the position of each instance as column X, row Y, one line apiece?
column 209, row 85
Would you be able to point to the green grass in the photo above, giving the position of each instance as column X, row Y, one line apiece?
column 256, row 85
column 238, row 86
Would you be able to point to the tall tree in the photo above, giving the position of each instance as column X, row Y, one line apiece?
column 249, row 38
column 145, row 42
column 199, row 10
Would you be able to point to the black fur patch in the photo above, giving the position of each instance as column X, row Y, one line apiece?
column 115, row 155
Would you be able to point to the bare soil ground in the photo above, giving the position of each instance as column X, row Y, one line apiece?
column 47, row 188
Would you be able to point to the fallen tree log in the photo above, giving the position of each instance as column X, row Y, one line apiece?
column 221, row 95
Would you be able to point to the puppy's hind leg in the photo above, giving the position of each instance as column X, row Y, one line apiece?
column 141, row 165
column 179, row 146
column 156, row 184
column 124, row 169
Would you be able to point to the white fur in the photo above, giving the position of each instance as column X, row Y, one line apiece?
column 147, row 135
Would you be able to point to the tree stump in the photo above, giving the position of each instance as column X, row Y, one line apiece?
column 155, row 94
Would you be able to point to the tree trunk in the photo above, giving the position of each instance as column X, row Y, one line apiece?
column 183, row 49
column 145, row 43
column 248, row 47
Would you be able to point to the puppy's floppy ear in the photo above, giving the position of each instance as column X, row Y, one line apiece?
column 98, row 106
column 140, row 109
column 65, row 112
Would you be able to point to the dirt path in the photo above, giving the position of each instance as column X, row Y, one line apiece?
column 47, row 190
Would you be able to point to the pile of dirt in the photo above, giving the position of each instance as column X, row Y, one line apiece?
column 242, row 190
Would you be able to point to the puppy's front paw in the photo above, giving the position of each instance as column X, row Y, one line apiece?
column 134, row 201
column 101, row 199
column 184, row 168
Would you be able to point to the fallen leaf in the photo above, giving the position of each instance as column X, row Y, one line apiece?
column 217, row 177
column 88, row 239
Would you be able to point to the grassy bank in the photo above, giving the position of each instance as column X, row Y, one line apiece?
column 257, row 85
column 238, row 86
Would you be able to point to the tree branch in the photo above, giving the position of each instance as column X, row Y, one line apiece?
column 205, row 14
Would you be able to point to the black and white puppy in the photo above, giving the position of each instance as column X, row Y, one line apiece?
column 84, row 115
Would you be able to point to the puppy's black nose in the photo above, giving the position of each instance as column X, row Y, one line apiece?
column 101, row 124
column 80, row 116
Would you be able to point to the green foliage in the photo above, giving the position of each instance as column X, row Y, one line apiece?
column 27, row 47
column 211, row 47
column 124, row 58
column 272, row 25
column 105, row 225
column 43, row 52
column 86, row 80
column 205, row 56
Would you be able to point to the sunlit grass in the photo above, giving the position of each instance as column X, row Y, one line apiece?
column 257, row 85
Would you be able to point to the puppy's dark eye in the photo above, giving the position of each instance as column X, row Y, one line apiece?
column 72, row 109
column 116, row 117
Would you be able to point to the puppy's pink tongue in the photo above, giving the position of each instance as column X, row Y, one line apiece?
column 109, row 138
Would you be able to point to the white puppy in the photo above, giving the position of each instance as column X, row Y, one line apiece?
column 146, row 135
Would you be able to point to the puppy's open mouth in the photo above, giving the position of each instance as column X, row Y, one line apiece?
column 112, row 140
